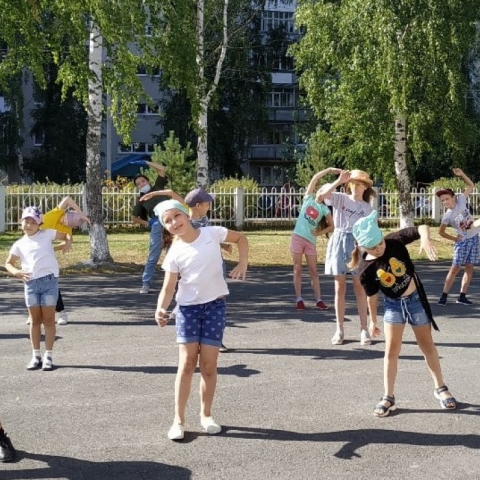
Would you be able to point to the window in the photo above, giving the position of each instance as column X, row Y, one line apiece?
column 279, row 135
column 38, row 139
column 282, row 97
column 283, row 62
column 273, row 19
column 145, row 109
column 269, row 175
column 142, row 71
column 136, row 147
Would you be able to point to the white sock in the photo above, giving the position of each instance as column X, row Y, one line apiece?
column 36, row 353
column 48, row 353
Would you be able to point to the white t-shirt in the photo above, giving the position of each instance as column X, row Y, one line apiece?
column 459, row 218
column 347, row 211
column 200, row 266
column 36, row 253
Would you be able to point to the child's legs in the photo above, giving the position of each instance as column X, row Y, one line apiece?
column 35, row 314
column 48, row 320
column 312, row 271
column 187, row 362
column 297, row 273
column 340, row 292
column 211, row 336
column 60, row 307
column 362, row 306
column 208, row 382
column 452, row 273
column 423, row 334
column 393, row 344
column 467, row 278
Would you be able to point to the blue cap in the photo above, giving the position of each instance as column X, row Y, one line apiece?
column 166, row 205
column 199, row 195
column 366, row 231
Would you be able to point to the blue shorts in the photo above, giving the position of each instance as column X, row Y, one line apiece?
column 466, row 252
column 41, row 292
column 399, row 311
column 339, row 253
column 202, row 323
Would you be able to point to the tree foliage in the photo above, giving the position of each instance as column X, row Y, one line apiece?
column 364, row 64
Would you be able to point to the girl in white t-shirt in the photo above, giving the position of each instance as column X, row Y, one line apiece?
column 195, row 261
column 348, row 207
column 39, row 273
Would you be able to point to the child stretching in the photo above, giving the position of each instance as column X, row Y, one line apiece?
column 39, row 273
column 465, row 247
column 314, row 219
column 385, row 265
column 199, row 202
column 196, row 260
column 63, row 218
column 348, row 207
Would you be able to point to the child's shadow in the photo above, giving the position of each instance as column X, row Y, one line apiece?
column 75, row 469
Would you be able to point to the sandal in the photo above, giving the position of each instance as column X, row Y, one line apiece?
column 381, row 410
column 449, row 403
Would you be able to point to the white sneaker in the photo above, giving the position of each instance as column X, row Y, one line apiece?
column 365, row 338
column 145, row 288
column 62, row 318
column 176, row 432
column 210, row 426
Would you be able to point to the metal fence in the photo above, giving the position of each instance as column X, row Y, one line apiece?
column 232, row 208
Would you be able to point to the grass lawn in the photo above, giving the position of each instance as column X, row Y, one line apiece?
column 129, row 250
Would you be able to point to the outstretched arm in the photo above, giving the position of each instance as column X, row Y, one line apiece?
column 458, row 172
column 158, row 167
column 69, row 202
column 313, row 182
column 425, row 242
column 164, row 193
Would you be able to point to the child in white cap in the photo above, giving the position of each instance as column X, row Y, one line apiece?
column 39, row 272
column 195, row 261
column 384, row 264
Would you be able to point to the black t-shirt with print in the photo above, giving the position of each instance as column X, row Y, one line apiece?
column 393, row 271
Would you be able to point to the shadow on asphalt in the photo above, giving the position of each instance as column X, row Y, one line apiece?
column 354, row 440
column 238, row 370
column 75, row 469
column 320, row 353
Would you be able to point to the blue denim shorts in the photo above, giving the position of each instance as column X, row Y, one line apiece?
column 202, row 323
column 41, row 292
column 399, row 311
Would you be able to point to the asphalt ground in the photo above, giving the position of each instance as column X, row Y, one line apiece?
column 292, row 405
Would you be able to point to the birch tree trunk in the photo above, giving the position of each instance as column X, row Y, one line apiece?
column 204, row 93
column 401, row 171
column 99, row 251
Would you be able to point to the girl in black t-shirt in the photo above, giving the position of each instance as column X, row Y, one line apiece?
column 384, row 264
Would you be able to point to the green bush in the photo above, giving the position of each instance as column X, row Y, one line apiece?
column 224, row 204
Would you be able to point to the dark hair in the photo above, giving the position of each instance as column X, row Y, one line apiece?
column 139, row 175
column 322, row 225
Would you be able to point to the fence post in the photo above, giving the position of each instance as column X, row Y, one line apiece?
column 3, row 211
column 239, row 207
column 374, row 201
column 436, row 204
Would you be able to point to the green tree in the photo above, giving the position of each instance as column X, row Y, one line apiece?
column 386, row 79
column 179, row 164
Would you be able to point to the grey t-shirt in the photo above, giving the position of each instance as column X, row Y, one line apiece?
column 459, row 218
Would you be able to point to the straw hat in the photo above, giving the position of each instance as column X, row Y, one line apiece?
column 361, row 176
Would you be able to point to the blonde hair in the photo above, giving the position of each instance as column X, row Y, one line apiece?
column 353, row 263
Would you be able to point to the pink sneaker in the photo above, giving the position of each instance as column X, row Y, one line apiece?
column 300, row 305
column 321, row 305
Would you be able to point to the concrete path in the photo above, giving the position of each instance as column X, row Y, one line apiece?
column 292, row 406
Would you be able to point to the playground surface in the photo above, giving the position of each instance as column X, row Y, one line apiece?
column 292, row 405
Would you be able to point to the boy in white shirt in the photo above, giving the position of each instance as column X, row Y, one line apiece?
column 39, row 273
column 466, row 243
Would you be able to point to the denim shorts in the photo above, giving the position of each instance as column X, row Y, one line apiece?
column 399, row 311
column 41, row 292
column 202, row 323
column 339, row 253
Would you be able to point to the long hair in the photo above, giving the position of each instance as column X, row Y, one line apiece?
column 353, row 264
